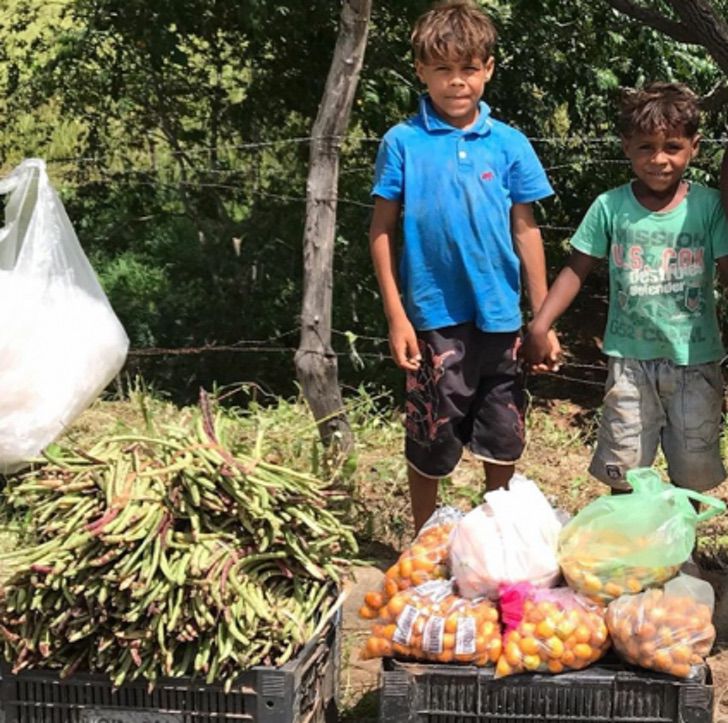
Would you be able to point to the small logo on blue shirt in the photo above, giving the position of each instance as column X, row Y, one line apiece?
column 487, row 175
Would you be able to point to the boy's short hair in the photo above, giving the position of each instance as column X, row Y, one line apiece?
column 659, row 107
column 455, row 29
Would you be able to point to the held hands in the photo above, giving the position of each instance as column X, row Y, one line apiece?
column 541, row 351
column 403, row 345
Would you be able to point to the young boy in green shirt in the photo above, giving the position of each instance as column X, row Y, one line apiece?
column 663, row 238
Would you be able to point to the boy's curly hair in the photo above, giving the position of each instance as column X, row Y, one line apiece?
column 659, row 107
column 455, row 29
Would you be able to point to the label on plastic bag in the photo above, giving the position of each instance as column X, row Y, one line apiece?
column 124, row 715
column 432, row 636
column 405, row 623
column 435, row 590
column 465, row 636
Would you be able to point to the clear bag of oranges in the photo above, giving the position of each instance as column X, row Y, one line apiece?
column 668, row 630
column 627, row 543
column 424, row 560
column 549, row 630
column 430, row 622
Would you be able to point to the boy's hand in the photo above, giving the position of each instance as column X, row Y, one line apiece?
column 541, row 350
column 553, row 361
column 403, row 345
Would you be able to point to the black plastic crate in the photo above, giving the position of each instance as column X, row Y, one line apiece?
column 304, row 690
column 609, row 692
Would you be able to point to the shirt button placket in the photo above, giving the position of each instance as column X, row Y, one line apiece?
column 464, row 161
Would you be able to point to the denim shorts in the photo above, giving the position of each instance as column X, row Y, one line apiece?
column 468, row 391
column 657, row 402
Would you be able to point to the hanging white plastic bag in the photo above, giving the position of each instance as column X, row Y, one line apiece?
column 60, row 341
column 512, row 538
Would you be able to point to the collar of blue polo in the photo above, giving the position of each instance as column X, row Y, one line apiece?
column 433, row 122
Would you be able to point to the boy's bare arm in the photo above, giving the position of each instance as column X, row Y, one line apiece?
column 563, row 291
column 382, row 233
column 529, row 247
column 722, row 264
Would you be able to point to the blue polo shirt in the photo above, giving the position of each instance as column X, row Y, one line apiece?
column 458, row 261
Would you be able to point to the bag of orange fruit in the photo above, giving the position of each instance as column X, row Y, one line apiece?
column 424, row 560
column 549, row 630
column 624, row 544
column 430, row 622
column 667, row 630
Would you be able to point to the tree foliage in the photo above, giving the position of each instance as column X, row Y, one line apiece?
column 177, row 132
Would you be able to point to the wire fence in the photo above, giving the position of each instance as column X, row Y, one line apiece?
column 189, row 170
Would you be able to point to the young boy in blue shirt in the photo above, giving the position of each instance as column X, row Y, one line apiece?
column 663, row 238
column 463, row 183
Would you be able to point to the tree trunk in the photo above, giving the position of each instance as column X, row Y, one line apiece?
column 316, row 364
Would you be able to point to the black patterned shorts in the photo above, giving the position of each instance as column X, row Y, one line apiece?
column 469, row 390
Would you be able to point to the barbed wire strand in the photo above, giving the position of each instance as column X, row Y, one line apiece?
column 298, row 140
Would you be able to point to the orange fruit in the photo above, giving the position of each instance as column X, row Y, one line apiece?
column 646, row 631
column 599, row 636
column 503, row 668
column 555, row 666
column 682, row 653
column 513, row 654
column 582, row 634
column 583, row 651
column 648, row 647
column 681, row 670
column 631, row 650
column 419, row 576
column 488, row 629
column 374, row 600
column 396, row 605
column 662, row 660
column 451, row 623
column 591, row 583
column 658, row 615
column 405, row 567
column 554, row 647
column 611, row 588
column 545, row 629
column 446, row 656
column 423, row 564
column 665, row 637
column 367, row 613
column 529, row 646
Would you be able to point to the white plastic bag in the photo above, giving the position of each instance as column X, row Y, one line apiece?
column 60, row 341
column 510, row 539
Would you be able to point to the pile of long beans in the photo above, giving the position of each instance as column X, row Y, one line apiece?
column 169, row 553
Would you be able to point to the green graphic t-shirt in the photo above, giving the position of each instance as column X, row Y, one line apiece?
column 661, row 272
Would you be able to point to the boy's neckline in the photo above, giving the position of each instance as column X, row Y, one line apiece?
column 688, row 187
column 433, row 121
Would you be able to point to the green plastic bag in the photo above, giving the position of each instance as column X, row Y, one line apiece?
column 625, row 543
